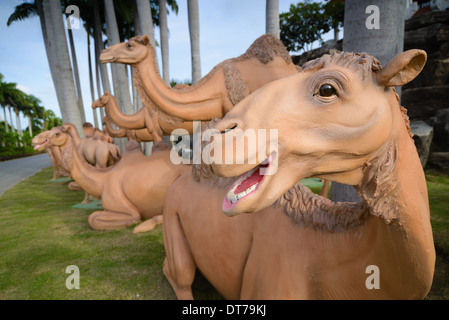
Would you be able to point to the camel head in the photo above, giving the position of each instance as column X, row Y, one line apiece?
column 131, row 52
column 331, row 119
column 54, row 137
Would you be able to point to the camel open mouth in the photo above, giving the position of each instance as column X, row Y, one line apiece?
column 40, row 144
column 247, row 184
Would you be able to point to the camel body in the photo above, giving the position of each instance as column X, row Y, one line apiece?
column 132, row 190
column 280, row 241
column 213, row 96
column 95, row 149
column 270, row 255
column 154, row 126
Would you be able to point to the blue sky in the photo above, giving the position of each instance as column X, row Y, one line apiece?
column 227, row 29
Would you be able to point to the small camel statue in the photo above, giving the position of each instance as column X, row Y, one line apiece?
column 150, row 127
column 131, row 190
column 93, row 148
column 212, row 96
column 294, row 244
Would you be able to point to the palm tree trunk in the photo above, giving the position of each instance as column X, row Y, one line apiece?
column 164, row 40
column 120, row 78
column 91, row 80
column 383, row 43
column 194, row 31
column 70, row 112
column 6, row 120
column 30, row 126
column 43, row 7
column 76, row 73
column 146, row 20
column 99, row 67
column 144, row 13
column 272, row 18
column 13, row 130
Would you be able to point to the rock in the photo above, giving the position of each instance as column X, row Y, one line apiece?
column 423, row 103
column 316, row 53
column 428, row 38
column 422, row 135
column 440, row 160
column 426, row 19
column 440, row 124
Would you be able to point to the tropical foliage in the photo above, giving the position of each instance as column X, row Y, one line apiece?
column 306, row 22
column 13, row 101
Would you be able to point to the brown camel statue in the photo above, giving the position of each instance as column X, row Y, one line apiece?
column 132, row 190
column 211, row 97
column 299, row 245
column 58, row 169
column 153, row 126
column 94, row 149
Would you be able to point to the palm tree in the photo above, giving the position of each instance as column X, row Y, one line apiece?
column 70, row 111
column 76, row 71
column 27, row 10
column 91, row 80
column 164, row 40
column 120, row 77
column 11, row 96
column 194, row 31
column 272, row 17
column 3, row 101
column 53, row 32
column 146, row 19
column 30, row 110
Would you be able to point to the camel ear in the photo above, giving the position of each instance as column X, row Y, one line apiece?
column 402, row 69
column 145, row 40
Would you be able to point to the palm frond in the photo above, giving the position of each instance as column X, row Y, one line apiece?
column 22, row 11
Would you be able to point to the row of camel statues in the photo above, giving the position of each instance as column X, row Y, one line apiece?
column 267, row 236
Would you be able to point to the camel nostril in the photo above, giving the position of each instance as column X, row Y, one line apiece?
column 232, row 127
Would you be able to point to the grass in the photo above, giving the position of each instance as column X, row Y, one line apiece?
column 41, row 234
column 438, row 190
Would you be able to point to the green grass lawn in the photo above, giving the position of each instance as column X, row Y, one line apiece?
column 41, row 234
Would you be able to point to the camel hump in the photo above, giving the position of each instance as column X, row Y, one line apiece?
column 266, row 48
column 132, row 145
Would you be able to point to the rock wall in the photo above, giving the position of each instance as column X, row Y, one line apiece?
column 427, row 97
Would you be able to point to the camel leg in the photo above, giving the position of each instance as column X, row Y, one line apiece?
column 74, row 186
column 124, row 215
column 109, row 220
column 86, row 198
column 325, row 188
column 148, row 224
column 179, row 266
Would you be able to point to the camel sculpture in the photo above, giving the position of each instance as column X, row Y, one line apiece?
column 131, row 190
column 299, row 245
column 211, row 97
column 93, row 148
column 150, row 127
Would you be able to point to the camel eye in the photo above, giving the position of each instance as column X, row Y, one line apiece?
column 128, row 45
column 326, row 90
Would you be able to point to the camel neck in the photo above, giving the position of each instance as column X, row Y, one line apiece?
column 88, row 177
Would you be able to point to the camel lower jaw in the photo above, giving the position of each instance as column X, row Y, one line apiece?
column 40, row 144
column 107, row 59
column 246, row 186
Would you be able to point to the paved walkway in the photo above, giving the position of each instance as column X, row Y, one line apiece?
column 13, row 171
